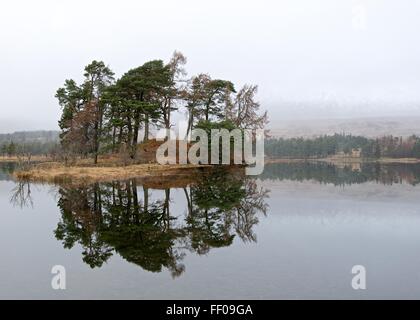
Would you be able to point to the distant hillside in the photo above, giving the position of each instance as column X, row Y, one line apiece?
column 30, row 137
column 367, row 127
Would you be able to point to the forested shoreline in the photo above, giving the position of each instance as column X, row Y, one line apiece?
column 344, row 145
column 29, row 143
column 47, row 149
column 105, row 115
column 291, row 148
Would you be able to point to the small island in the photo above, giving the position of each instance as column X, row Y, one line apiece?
column 109, row 127
column 107, row 124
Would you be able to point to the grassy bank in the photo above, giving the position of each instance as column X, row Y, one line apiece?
column 55, row 172
column 108, row 169
column 24, row 159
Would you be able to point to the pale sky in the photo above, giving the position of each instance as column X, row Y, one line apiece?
column 309, row 57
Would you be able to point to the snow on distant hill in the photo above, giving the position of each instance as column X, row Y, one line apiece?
column 369, row 127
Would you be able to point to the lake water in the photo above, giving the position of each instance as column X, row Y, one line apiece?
column 295, row 232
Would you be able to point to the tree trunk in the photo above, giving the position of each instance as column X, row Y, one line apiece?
column 146, row 128
column 96, row 142
column 136, row 129
column 114, row 135
column 168, row 117
column 120, row 136
column 190, row 123
column 207, row 113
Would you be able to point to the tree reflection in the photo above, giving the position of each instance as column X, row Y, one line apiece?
column 141, row 225
column 344, row 173
column 221, row 207
column 121, row 217
column 21, row 195
column 81, row 212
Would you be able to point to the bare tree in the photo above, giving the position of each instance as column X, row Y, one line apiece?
column 244, row 109
column 174, row 91
column 21, row 195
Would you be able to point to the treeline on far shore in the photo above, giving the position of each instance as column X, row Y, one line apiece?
column 343, row 145
column 33, row 148
column 291, row 148
column 27, row 143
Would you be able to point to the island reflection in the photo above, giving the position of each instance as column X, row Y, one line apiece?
column 121, row 217
column 126, row 217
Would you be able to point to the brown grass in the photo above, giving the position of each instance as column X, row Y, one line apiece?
column 112, row 167
column 17, row 159
column 55, row 172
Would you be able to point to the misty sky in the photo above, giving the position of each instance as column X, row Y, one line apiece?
column 310, row 58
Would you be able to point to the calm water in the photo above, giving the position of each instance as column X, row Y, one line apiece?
column 295, row 232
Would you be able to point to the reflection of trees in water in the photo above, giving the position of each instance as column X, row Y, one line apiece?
column 219, row 209
column 118, row 217
column 387, row 174
column 21, row 195
column 81, row 210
